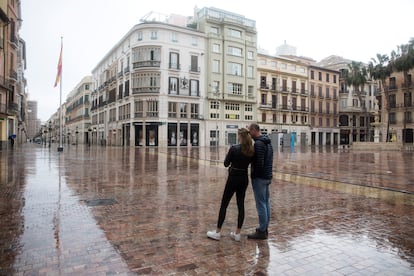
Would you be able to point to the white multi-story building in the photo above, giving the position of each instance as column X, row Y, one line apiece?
column 149, row 88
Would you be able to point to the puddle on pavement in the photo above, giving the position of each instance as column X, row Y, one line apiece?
column 59, row 232
column 326, row 253
column 391, row 196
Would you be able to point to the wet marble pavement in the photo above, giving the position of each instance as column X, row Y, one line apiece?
column 107, row 211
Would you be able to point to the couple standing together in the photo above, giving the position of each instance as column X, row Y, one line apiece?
column 238, row 159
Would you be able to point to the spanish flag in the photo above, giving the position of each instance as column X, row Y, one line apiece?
column 59, row 67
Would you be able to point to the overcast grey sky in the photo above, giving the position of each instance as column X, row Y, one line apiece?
column 353, row 29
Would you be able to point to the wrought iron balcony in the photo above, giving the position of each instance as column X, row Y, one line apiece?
column 147, row 63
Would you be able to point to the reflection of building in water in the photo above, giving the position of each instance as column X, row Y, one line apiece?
column 152, row 138
column 140, row 138
column 173, row 139
column 195, row 138
column 183, row 141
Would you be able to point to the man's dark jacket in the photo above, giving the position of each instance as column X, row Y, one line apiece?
column 263, row 158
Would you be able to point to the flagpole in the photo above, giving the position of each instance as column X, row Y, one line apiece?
column 60, row 148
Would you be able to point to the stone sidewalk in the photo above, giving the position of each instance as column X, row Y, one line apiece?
column 107, row 211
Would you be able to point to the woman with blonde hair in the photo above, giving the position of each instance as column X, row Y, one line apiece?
column 237, row 159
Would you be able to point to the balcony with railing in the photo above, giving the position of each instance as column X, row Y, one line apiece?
column 152, row 114
column 283, row 107
column 284, row 89
column 263, row 86
column 174, row 66
column 408, row 86
column 408, row 105
column 146, row 63
column 300, row 108
column 14, row 41
column 265, row 105
column 13, row 108
column 393, row 87
column 13, row 75
column 361, row 93
column 149, row 89
column 194, row 69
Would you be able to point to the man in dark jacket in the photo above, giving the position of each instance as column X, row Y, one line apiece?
column 261, row 175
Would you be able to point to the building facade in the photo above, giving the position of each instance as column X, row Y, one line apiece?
column 149, row 89
column 323, row 106
column 355, row 115
column 77, row 122
column 283, row 99
column 401, row 108
column 231, row 80
column 4, row 87
column 12, row 83
column 193, row 81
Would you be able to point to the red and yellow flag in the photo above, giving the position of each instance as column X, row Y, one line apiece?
column 59, row 67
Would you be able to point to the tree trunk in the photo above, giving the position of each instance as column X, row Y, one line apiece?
column 363, row 109
column 387, row 109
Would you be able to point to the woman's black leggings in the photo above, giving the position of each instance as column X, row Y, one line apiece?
column 236, row 183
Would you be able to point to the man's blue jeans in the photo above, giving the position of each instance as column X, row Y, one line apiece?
column 262, row 197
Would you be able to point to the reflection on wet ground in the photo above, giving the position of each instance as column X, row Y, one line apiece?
column 103, row 211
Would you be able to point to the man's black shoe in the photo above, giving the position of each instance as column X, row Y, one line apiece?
column 258, row 235
column 266, row 232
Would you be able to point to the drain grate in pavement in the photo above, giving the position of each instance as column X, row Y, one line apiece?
column 100, row 202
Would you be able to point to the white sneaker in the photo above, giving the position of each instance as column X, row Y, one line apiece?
column 235, row 236
column 213, row 235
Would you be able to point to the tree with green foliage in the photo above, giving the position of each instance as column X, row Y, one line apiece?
column 356, row 76
column 380, row 70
